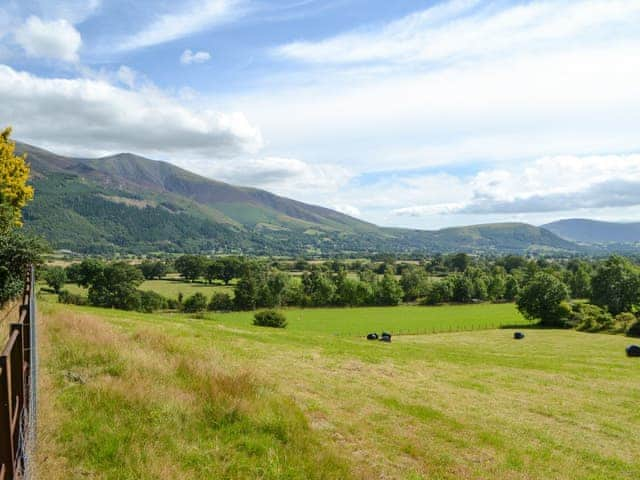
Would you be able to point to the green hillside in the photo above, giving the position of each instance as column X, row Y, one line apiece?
column 127, row 203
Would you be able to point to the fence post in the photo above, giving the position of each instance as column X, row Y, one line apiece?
column 6, row 437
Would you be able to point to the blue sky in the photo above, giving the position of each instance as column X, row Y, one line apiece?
column 419, row 114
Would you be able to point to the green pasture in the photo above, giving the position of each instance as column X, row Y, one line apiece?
column 145, row 396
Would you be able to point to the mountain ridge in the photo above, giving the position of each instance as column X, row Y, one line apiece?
column 128, row 203
column 595, row 231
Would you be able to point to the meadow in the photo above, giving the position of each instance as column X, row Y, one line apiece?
column 145, row 396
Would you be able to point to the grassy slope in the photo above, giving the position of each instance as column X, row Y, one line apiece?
column 171, row 397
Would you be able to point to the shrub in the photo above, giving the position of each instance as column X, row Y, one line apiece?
column 624, row 321
column 152, row 301
column 634, row 330
column 270, row 318
column 65, row 296
column 221, row 302
column 195, row 303
column 587, row 317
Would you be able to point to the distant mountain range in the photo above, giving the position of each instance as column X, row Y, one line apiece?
column 594, row 232
column 127, row 203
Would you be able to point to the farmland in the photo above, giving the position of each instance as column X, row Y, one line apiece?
column 167, row 396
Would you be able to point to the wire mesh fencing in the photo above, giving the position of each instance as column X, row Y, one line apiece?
column 18, row 388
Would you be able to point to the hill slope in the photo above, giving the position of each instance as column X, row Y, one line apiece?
column 132, row 204
column 593, row 231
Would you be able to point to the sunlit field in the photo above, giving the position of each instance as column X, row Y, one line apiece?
column 167, row 396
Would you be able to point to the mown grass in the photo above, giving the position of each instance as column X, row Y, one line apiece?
column 165, row 396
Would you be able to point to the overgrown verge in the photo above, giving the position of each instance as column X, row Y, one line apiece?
column 142, row 405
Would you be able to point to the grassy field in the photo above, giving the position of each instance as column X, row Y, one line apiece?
column 135, row 396
column 169, row 288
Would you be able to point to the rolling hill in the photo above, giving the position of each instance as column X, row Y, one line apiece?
column 595, row 232
column 128, row 203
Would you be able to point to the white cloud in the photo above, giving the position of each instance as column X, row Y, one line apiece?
column 550, row 184
column 284, row 176
column 127, row 76
column 188, row 57
column 90, row 116
column 56, row 39
column 465, row 29
column 347, row 209
column 195, row 16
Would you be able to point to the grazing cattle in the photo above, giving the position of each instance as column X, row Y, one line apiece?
column 633, row 351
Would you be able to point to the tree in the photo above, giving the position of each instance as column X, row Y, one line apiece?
column 230, row 268
column 616, row 285
column 151, row 270
column 151, row 301
column 85, row 272
column 541, row 300
column 195, row 303
column 414, row 282
column 439, row 292
column 55, row 277
column 318, row 287
column 14, row 191
column 190, row 267
column 463, row 291
column 459, row 262
column 220, row 302
column 511, row 288
column 580, row 282
column 17, row 252
column 388, row 291
column 116, row 286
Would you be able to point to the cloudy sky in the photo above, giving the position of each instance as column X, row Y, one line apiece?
column 415, row 113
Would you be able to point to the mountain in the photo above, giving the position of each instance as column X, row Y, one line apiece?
column 127, row 203
column 595, row 232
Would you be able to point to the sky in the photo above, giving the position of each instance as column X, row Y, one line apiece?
column 421, row 114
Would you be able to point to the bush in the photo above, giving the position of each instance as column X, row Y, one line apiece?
column 195, row 303
column 221, row 302
column 634, row 330
column 152, row 301
column 65, row 296
column 590, row 318
column 270, row 318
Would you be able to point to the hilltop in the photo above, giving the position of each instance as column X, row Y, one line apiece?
column 128, row 203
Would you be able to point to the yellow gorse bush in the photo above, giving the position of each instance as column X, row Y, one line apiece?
column 14, row 174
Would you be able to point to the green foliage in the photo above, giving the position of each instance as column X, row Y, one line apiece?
column 387, row 292
column 415, row 283
column 191, row 267
column 541, row 300
column 65, row 296
column 511, row 288
column 55, row 277
column 270, row 318
column 634, row 329
column 17, row 252
column 195, row 303
column 220, row 302
column 115, row 285
column 151, row 270
column 151, row 301
column 616, row 285
column 590, row 318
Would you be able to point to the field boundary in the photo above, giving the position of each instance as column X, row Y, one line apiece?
column 18, row 385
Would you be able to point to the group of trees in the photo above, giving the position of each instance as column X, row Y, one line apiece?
column 17, row 250
column 607, row 293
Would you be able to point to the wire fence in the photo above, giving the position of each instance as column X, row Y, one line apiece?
column 468, row 327
column 18, row 388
